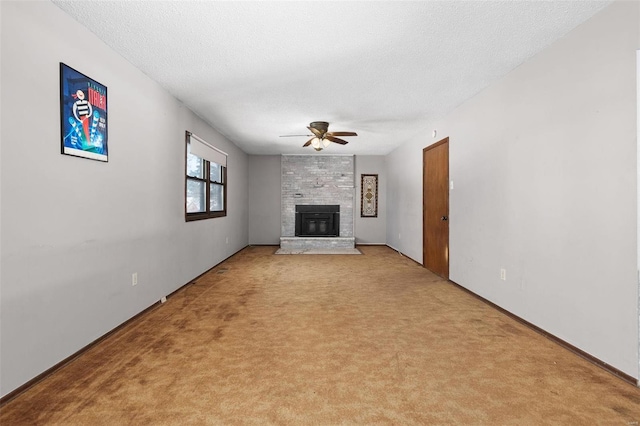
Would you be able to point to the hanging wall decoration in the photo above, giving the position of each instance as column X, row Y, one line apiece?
column 83, row 115
column 368, row 195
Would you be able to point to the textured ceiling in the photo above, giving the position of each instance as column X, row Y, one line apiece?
column 258, row 70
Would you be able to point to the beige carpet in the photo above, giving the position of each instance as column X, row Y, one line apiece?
column 326, row 340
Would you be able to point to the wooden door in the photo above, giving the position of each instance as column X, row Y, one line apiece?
column 435, row 208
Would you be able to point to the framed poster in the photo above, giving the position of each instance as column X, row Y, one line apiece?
column 368, row 195
column 83, row 115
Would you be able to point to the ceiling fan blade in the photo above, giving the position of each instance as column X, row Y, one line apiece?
column 342, row 134
column 308, row 142
column 291, row 136
column 336, row 140
column 316, row 132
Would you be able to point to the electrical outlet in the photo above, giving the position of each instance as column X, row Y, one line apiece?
column 399, row 236
column 503, row 274
column 134, row 278
column 227, row 240
column 163, row 299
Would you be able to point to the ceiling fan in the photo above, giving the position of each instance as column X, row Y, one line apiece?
column 321, row 137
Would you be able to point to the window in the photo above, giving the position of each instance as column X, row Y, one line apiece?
column 206, row 180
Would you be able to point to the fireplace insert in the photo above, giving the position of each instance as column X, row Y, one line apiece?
column 317, row 221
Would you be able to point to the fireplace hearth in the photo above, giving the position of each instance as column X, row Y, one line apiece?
column 317, row 221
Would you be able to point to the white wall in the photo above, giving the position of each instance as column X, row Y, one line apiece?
column 265, row 194
column 1, row 126
column 74, row 230
column 370, row 230
column 638, row 181
column 544, row 166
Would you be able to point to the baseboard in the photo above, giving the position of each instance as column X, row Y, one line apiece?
column 598, row 362
column 404, row 255
column 20, row 389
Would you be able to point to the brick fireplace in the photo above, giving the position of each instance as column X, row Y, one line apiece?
column 311, row 181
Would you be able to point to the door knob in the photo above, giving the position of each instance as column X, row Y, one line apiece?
column 444, row 218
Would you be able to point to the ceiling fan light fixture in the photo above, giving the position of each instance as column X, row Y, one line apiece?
column 321, row 137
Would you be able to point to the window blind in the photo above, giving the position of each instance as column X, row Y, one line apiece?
column 210, row 153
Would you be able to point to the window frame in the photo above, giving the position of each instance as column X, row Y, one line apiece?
column 207, row 214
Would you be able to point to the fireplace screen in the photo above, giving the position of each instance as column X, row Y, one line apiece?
column 317, row 221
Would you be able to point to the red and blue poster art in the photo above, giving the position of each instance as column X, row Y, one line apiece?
column 83, row 103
